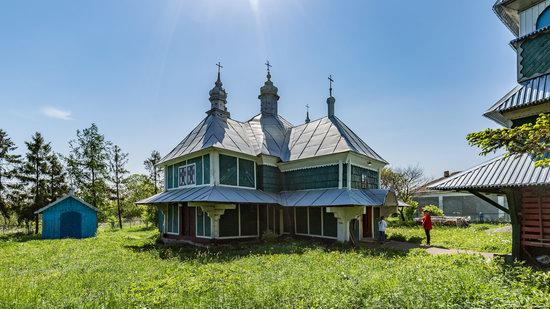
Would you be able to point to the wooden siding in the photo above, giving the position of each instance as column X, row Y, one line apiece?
column 534, row 56
column 311, row 178
column 51, row 219
column 528, row 18
column 535, row 217
column 269, row 178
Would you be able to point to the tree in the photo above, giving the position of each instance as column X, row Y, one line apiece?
column 117, row 168
column 56, row 176
column 9, row 163
column 155, row 173
column 87, row 165
column 529, row 138
column 33, row 172
column 403, row 181
column 139, row 187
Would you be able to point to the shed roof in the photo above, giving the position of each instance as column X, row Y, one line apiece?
column 338, row 197
column 64, row 198
column 215, row 194
column 501, row 172
column 531, row 92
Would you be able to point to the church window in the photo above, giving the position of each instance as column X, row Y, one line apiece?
column 203, row 224
column 544, row 19
column 362, row 178
column 172, row 220
column 237, row 172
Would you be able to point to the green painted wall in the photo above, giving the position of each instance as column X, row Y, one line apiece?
column 535, row 55
column 311, row 178
column 269, row 178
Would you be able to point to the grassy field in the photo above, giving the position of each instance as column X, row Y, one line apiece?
column 127, row 269
column 476, row 237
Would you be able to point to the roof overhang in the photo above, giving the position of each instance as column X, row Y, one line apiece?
column 304, row 198
column 508, row 12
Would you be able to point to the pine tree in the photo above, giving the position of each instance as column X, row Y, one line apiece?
column 34, row 173
column 117, row 169
column 155, row 173
column 56, row 175
column 9, row 163
column 87, row 165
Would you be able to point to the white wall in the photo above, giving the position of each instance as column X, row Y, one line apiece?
column 528, row 18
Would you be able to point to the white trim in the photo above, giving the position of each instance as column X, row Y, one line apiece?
column 188, row 187
column 62, row 199
column 269, row 164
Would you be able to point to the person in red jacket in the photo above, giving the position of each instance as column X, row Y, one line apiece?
column 427, row 224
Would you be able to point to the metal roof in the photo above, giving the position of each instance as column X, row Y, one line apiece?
column 325, row 136
column 501, row 172
column 338, row 197
column 270, row 131
column 275, row 136
column 217, row 194
column 531, row 92
column 322, row 197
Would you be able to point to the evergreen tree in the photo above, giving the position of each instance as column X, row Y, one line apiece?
column 155, row 173
column 117, row 169
column 57, row 181
column 34, row 173
column 87, row 165
column 9, row 163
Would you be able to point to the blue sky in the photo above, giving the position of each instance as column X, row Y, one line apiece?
column 412, row 78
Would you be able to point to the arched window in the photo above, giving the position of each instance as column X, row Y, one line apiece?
column 544, row 19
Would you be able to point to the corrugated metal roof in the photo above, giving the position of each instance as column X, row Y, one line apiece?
column 501, row 172
column 275, row 136
column 322, row 197
column 534, row 91
column 214, row 194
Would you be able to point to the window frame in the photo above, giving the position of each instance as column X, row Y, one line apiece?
column 322, row 210
column 203, row 224
column 166, row 219
column 238, row 158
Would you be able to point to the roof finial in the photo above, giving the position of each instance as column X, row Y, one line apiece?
column 330, row 84
column 307, row 114
column 219, row 65
column 268, row 70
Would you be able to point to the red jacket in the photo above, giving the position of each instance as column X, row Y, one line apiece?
column 427, row 222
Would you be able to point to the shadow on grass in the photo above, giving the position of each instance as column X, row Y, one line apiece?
column 19, row 237
column 235, row 251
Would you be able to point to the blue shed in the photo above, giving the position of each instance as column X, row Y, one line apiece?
column 68, row 217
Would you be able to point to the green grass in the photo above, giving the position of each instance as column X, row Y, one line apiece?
column 128, row 269
column 476, row 237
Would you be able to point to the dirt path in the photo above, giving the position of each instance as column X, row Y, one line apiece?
column 406, row 246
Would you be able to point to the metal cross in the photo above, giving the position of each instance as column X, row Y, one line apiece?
column 219, row 65
column 268, row 66
column 330, row 83
column 307, row 106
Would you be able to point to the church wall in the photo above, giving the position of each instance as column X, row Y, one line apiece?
column 311, row 178
column 269, row 178
column 534, row 56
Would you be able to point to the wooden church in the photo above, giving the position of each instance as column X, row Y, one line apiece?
column 236, row 180
column 527, row 188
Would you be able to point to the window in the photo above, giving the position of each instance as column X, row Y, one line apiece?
column 544, row 19
column 228, row 170
column 311, row 178
column 246, row 173
column 187, row 175
column 172, row 220
column 315, row 221
column 240, row 222
column 362, row 178
column 182, row 174
column 203, row 224
column 237, row 172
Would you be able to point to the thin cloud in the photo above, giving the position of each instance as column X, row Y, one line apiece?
column 57, row 113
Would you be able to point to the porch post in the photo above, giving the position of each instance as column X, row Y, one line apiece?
column 344, row 215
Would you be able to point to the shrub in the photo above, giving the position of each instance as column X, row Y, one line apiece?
column 434, row 210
